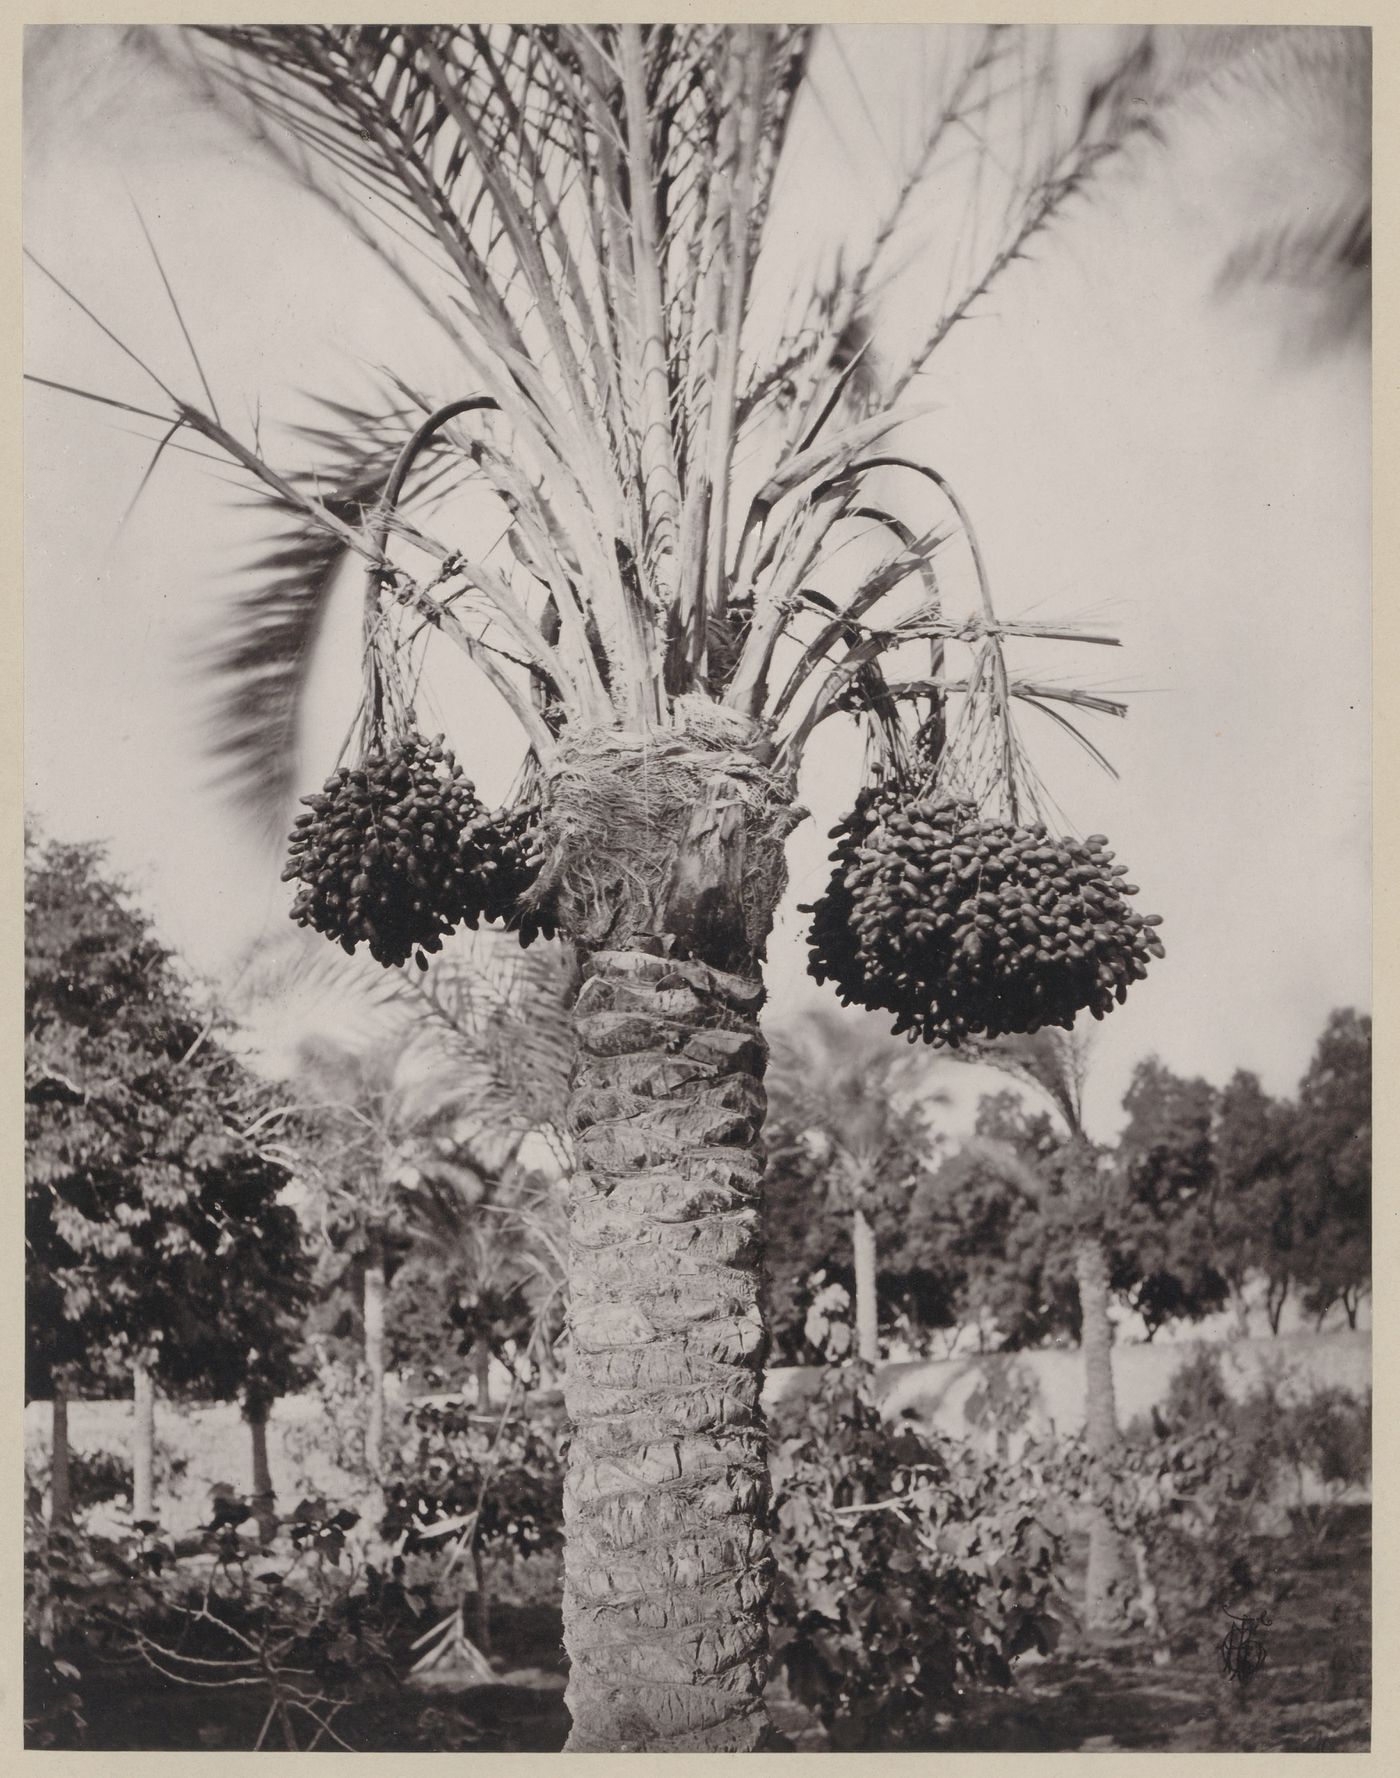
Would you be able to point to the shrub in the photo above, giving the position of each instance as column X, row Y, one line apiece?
column 98, row 1478
column 908, row 1565
column 455, row 1462
column 1198, row 1482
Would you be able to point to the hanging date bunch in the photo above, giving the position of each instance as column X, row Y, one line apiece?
column 398, row 850
column 963, row 926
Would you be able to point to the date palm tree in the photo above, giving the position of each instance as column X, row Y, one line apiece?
column 368, row 1118
column 1054, row 1064
column 849, row 1093
column 706, row 542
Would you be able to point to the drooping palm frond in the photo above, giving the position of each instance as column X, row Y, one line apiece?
column 846, row 1080
column 1300, row 170
column 1053, row 1062
column 485, row 1032
column 257, row 663
column 498, row 1018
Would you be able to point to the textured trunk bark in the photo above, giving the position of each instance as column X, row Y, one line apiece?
column 1100, row 1423
column 143, row 1441
column 264, row 1496
column 867, row 1310
column 60, row 1469
column 374, row 1352
column 666, row 1553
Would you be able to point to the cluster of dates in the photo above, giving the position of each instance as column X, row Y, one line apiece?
column 963, row 927
column 398, row 851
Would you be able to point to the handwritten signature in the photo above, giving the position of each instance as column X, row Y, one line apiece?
column 1243, row 1650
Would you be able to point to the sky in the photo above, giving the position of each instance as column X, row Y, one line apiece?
column 1136, row 451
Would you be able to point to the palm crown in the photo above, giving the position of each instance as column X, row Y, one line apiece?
column 675, row 462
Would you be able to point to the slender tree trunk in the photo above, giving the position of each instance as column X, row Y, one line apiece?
column 666, row 1552
column 264, row 1496
column 481, row 1365
column 1100, row 1423
column 1241, row 1307
column 374, row 1351
column 867, row 1311
column 143, row 1440
column 60, row 1468
column 1277, row 1297
column 482, row 1637
column 1151, row 1609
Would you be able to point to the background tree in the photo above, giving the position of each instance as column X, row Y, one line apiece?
column 1332, row 1167
column 1251, row 1140
column 1304, row 173
column 1012, row 1263
column 483, row 1279
column 145, row 1192
column 369, row 1116
column 1074, row 1203
column 1165, row 1167
column 845, row 1094
column 255, row 1291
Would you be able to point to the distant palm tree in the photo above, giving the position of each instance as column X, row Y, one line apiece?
column 842, row 1089
column 1054, row 1064
column 709, row 545
column 370, row 1119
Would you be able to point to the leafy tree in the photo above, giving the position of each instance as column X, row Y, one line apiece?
column 1251, row 1193
column 1165, row 1165
column 1332, row 1168
column 1006, row 1247
column 806, row 1241
column 154, row 1240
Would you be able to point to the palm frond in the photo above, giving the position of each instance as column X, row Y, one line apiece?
column 257, row 663
column 1053, row 1062
column 586, row 211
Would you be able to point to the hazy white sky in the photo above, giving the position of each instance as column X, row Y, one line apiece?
column 1132, row 450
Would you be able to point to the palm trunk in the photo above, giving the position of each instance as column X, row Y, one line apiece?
column 867, row 1312
column 264, row 1496
column 1100, row 1422
column 374, row 1351
column 666, row 1555
column 143, row 1441
column 60, row 1469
